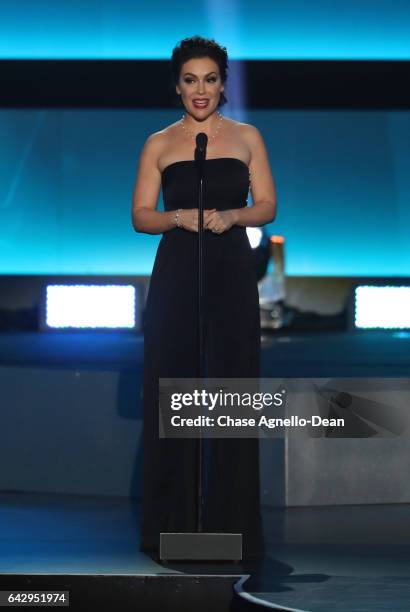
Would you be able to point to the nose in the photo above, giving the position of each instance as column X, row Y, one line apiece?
column 201, row 89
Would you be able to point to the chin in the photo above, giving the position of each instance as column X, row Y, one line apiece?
column 200, row 112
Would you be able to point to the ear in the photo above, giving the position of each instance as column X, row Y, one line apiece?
column 178, row 90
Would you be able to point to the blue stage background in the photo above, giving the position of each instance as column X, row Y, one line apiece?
column 67, row 178
column 261, row 29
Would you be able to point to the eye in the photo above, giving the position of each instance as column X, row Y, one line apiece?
column 210, row 79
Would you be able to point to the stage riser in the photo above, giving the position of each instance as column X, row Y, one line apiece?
column 150, row 593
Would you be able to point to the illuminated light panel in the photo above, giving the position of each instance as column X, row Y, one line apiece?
column 254, row 235
column 90, row 306
column 386, row 307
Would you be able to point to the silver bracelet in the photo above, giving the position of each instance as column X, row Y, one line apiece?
column 176, row 217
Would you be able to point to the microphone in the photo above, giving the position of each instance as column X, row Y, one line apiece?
column 201, row 142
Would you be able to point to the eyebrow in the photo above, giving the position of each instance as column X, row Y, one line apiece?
column 213, row 72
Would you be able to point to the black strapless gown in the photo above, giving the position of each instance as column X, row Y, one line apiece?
column 232, row 501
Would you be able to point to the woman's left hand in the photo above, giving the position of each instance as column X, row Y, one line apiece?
column 220, row 221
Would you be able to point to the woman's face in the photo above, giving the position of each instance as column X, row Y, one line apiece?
column 200, row 79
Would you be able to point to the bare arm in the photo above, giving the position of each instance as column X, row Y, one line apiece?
column 145, row 217
column 263, row 209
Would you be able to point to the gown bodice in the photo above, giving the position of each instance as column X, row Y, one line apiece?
column 226, row 184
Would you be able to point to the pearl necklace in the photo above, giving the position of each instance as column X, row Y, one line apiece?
column 193, row 136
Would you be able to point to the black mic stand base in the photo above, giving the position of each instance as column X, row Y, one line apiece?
column 199, row 546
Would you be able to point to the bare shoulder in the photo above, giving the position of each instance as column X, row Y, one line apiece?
column 153, row 147
column 254, row 140
column 157, row 142
column 251, row 133
column 162, row 136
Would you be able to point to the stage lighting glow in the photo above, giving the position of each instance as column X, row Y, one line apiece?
column 385, row 307
column 90, row 306
column 255, row 236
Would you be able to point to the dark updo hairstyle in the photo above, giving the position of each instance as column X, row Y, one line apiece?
column 196, row 47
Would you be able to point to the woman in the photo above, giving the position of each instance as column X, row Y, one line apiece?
column 236, row 160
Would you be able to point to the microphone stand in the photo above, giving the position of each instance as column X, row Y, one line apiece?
column 199, row 545
column 200, row 153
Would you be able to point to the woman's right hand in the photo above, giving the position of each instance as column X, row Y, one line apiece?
column 189, row 218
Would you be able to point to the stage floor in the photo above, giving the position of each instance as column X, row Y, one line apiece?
column 342, row 557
